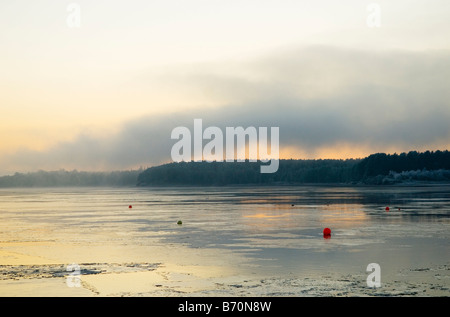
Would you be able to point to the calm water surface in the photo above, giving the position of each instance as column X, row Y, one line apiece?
column 278, row 230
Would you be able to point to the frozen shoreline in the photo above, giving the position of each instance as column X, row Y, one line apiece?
column 154, row 280
column 24, row 274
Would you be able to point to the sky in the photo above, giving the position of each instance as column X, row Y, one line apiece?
column 106, row 94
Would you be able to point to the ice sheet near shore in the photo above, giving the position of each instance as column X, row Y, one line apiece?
column 144, row 279
column 165, row 279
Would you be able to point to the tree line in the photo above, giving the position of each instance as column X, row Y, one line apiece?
column 63, row 178
column 384, row 168
column 379, row 168
column 229, row 173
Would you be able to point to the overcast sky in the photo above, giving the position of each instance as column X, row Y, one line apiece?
column 107, row 94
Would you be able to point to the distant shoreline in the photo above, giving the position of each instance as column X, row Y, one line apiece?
column 176, row 186
column 405, row 169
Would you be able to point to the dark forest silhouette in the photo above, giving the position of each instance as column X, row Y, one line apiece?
column 375, row 169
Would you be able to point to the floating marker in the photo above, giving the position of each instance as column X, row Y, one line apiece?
column 179, row 222
column 387, row 208
column 130, row 206
column 327, row 233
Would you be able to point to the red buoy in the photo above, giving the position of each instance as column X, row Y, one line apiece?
column 327, row 233
column 387, row 208
column 130, row 206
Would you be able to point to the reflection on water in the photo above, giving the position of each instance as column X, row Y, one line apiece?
column 277, row 229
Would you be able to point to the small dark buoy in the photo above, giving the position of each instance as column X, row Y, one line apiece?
column 130, row 206
column 179, row 222
column 292, row 205
column 327, row 233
